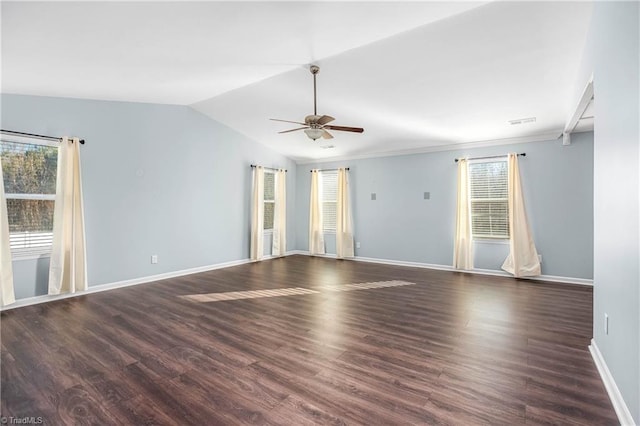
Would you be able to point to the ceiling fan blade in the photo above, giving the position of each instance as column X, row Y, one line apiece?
column 344, row 128
column 326, row 135
column 293, row 130
column 287, row 121
column 325, row 119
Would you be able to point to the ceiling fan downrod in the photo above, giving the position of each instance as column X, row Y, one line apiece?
column 314, row 70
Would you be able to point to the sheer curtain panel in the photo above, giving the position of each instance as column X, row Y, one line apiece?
column 463, row 244
column 279, row 239
column 7, row 295
column 523, row 256
column 316, row 232
column 68, row 264
column 257, row 214
column 344, row 219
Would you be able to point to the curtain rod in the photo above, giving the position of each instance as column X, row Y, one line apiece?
column 52, row 138
column 329, row 170
column 524, row 154
column 253, row 166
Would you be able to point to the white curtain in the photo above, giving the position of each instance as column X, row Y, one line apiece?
column 344, row 219
column 523, row 256
column 463, row 244
column 68, row 264
column 316, row 232
column 257, row 214
column 6, row 269
column 279, row 239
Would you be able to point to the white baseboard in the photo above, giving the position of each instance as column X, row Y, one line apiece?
column 550, row 278
column 620, row 407
column 126, row 283
column 404, row 263
column 142, row 280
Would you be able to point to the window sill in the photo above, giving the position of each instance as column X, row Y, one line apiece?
column 30, row 256
column 500, row 241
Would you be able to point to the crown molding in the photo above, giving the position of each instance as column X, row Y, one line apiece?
column 548, row 136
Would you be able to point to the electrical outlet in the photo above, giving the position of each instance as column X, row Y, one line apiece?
column 154, row 259
column 606, row 323
column 427, row 195
column 358, row 244
column 540, row 258
column 373, row 196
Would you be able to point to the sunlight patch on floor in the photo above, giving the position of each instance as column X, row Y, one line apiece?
column 295, row 291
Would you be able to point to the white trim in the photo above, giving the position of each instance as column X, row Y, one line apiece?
column 499, row 241
column 585, row 99
column 8, row 137
column 549, row 278
column 142, row 280
column 620, row 407
column 37, row 197
column 405, row 263
column 492, row 272
column 126, row 283
column 30, row 255
column 302, row 252
column 270, row 256
column 549, row 136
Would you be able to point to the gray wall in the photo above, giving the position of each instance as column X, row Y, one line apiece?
column 157, row 179
column 613, row 55
column 401, row 225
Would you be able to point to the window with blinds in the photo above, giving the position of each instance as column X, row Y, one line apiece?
column 269, row 199
column 329, row 200
column 29, row 171
column 488, row 199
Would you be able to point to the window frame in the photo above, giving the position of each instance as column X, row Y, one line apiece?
column 498, row 239
column 264, row 201
column 322, row 201
column 35, row 252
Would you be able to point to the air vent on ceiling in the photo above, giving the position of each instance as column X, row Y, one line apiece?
column 522, row 121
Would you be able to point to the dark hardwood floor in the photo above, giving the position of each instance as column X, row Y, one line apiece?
column 451, row 349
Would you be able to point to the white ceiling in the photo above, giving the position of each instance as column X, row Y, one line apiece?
column 415, row 75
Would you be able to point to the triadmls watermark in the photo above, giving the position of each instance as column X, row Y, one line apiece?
column 26, row 420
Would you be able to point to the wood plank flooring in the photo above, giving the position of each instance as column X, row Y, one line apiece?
column 452, row 348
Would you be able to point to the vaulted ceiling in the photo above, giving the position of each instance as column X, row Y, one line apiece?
column 415, row 75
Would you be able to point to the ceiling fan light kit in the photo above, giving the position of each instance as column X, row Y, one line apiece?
column 314, row 133
column 315, row 126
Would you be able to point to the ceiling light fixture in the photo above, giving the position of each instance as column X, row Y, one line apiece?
column 314, row 133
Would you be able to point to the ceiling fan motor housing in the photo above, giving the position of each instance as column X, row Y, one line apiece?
column 312, row 119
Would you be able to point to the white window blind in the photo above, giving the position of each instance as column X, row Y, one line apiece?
column 269, row 199
column 488, row 198
column 329, row 200
column 29, row 171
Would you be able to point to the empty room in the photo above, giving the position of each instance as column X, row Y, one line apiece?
column 292, row 213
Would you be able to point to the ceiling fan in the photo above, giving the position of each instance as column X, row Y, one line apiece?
column 315, row 126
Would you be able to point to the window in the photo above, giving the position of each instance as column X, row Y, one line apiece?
column 269, row 199
column 29, row 170
column 329, row 200
column 489, row 202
